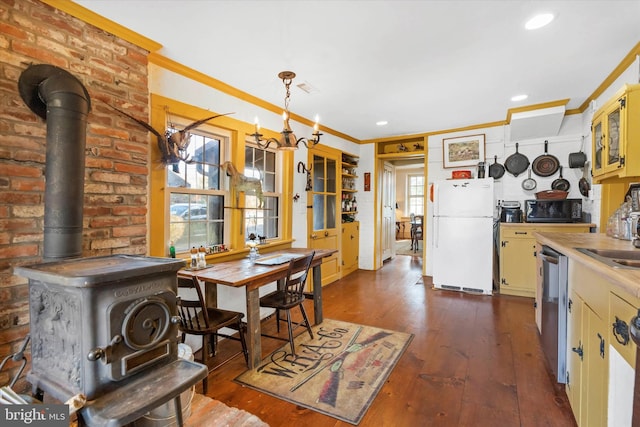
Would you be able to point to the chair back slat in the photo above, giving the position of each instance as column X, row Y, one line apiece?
column 297, row 278
column 193, row 312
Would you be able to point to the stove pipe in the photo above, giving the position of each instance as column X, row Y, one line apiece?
column 63, row 102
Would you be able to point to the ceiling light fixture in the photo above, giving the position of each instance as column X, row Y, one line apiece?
column 382, row 123
column 539, row 21
column 519, row 97
column 287, row 140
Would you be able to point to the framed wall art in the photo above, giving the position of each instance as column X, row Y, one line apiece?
column 463, row 151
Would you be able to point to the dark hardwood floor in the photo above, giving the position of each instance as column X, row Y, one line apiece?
column 474, row 361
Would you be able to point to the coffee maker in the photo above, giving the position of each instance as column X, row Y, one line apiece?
column 510, row 211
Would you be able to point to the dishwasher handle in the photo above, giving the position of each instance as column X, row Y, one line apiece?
column 549, row 258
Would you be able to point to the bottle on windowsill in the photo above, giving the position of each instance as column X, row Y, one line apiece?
column 194, row 257
column 202, row 260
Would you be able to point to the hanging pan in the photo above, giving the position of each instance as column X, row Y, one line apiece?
column 584, row 184
column 577, row 160
column 560, row 183
column 496, row 170
column 529, row 183
column 545, row 164
column 516, row 163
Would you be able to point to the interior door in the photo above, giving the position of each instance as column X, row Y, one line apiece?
column 388, row 211
column 323, row 218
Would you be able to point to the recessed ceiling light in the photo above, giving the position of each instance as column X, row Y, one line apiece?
column 382, row 123
column 539, row 21
column 519, row 97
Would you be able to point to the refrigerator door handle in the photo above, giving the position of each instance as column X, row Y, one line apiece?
column 436, row 198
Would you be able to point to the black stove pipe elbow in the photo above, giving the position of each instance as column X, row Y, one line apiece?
column 64, row 103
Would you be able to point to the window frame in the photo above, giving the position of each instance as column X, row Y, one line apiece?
column 225, row 138
column 418, row 198
column 277, row 193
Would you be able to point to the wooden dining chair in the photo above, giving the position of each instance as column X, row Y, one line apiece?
column 198, row 319
column 417, row 226
column 290, row 296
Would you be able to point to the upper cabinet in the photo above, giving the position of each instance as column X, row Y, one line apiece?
column 616, row 136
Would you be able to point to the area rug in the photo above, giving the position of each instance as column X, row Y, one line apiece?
column 403, row 247
column 337, row 373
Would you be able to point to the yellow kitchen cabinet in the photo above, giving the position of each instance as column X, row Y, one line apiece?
column 350, row 246
column 575, row 354
column 622, row 358
column 587, row 346
column 518, row 255
column 615, row 132
column 620, row 314
column 517, row 262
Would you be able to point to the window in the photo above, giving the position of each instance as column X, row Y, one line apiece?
column 262, row 221
column 196, row 196
column 415, row 196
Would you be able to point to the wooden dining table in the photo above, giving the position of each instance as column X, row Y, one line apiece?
column 252, row 275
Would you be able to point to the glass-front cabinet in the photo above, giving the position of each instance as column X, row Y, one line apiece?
column 324, row 193
column 606, row 138
column 616, row 136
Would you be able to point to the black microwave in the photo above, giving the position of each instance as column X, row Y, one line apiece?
column 566, row 210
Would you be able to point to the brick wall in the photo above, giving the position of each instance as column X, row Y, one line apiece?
column 117, row 166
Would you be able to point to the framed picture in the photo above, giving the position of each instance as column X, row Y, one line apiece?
column 462, row 151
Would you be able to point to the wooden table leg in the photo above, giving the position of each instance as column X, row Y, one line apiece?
column 210, row 294
column 317, row 294
column 254, row 345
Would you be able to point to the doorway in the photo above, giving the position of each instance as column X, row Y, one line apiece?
column 415, row 161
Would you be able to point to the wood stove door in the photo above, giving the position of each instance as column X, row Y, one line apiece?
column 142, row 333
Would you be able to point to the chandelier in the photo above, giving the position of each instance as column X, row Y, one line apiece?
column 287, row 139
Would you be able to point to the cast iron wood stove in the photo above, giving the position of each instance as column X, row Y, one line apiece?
column 107, row 327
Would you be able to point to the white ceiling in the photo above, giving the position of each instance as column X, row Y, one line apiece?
column 422, row 65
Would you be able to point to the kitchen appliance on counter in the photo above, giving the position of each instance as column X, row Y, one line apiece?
column 553, row 211
column 554, row 311
column 510, row 212
column 463, row 235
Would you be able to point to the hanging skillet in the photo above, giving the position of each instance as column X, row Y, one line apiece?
column 560, row 183
column 529, row 183
column 545, row 164
column 584, row 184
column 496, row 170
column 516, row 163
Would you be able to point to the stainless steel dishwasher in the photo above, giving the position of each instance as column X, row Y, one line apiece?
column 554, row 311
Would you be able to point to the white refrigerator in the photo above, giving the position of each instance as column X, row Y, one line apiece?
column 463, row 235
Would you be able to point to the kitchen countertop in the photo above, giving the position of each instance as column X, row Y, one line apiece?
column 626, row 279
column 545, row 224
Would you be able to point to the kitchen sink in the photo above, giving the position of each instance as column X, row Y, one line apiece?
column 617, row 258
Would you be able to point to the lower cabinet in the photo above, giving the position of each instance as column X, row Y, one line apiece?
column 518, row 255
column 622, row 360
column 600, row 354
column 350, row 246
column 588, row 346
